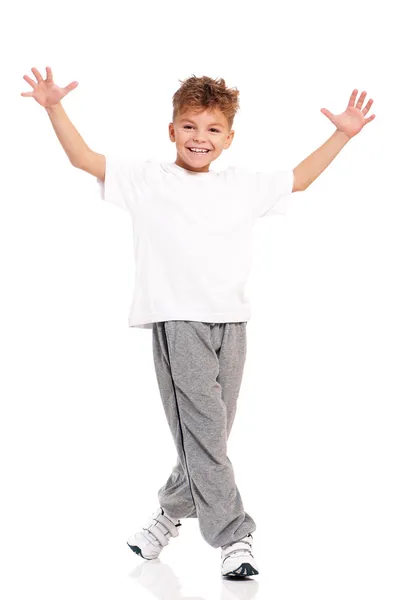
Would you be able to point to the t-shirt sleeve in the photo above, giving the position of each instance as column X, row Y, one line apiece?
column 123, row 180
column 272, row 192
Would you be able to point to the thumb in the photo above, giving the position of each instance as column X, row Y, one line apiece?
column 70, row 87
column 327, row 113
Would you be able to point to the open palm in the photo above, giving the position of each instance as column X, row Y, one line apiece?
column 353, row 119
column 45, row 91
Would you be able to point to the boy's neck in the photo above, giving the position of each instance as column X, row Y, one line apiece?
column 183, row 165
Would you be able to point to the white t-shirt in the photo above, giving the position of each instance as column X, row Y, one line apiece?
column 192, row 235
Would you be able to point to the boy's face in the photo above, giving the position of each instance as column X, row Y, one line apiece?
column 206, row 129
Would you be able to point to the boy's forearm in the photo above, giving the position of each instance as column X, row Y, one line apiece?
column 70, row 139
column 312, row 166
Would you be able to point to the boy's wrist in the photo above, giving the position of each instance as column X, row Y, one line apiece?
column 53, row 107
column 340, row 135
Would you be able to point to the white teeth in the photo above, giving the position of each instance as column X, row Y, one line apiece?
column 197, row 150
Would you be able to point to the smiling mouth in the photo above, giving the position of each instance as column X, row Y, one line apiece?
column 193, row 151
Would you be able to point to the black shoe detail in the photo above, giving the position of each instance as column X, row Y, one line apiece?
column 245, row 570
column 163, row 513
column 137, row 550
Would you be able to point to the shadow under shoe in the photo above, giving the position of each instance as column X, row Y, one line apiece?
column 150, row 540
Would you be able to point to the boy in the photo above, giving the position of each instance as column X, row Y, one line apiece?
column 192, row 230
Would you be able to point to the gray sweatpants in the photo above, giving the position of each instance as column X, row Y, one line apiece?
column 199, row 368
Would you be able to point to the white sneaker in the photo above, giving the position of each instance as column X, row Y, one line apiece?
column 237, row 558
column 150, row 540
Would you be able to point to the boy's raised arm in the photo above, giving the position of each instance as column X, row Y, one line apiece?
column 348, row 124
column 75, row 147
column 49, row 95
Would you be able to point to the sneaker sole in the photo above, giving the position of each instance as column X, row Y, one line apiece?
column 245, row 570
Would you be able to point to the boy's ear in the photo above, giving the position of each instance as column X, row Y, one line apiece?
column 229, row 139
column 171, row 132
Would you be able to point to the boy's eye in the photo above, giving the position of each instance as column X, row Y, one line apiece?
column 212, row 128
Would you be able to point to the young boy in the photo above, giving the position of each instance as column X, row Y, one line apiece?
column 192, row 230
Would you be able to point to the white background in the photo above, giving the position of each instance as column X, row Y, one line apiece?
column 84, row 441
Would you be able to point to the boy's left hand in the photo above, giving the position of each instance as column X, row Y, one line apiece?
column 353, row 119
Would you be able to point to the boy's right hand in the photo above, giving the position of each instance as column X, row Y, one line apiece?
column 45, row 92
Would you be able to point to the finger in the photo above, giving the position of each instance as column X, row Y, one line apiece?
column 30, row 81
column 26, row 93
column 70, row 87
column 327, row 113
column 369, row 119
column 351, row 101
column 37, row 74
column 367, row 107
column 360, row 100
column 49, row 75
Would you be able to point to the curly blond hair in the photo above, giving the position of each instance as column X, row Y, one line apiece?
column 199, row 93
